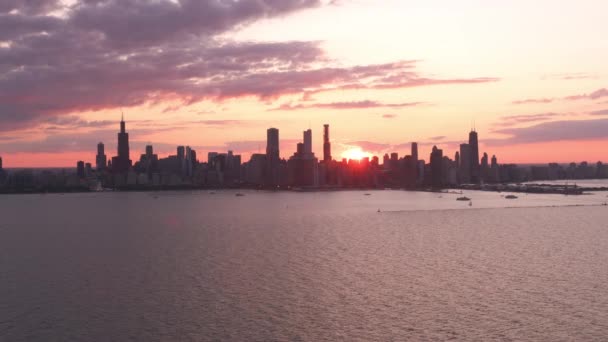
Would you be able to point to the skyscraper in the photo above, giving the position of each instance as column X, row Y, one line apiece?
column 101, row 159
column 484, row 168
column 415, row 152
column 464, row 168
column 0, row 163
column 326, row 144
column 308, row 141
column 122, row 162
column 272, row 143
column 302, row 167
column 80, row 169
column 436, row 167
column 123, row 142
column 273, row 158
column 474, row 145
column 181, row 153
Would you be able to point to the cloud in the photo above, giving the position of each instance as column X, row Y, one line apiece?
column 31, row 7
column 108, row 54
column 529, row 101
column 598, row 94
column 569, row 76
column 389, row 116
column 437, row 138
column 600, row 112
column 348, row 105
column 513, row 120
column 553, row 131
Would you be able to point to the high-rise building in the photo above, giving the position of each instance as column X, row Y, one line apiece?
column 415, row 152
column 474, row 145
column 303, row 167
column 181, row 152
column 272, row 143
column 484, row 168
column 149, row 151
column 494, row 170
column 436, row 167
column 273, row 158
column 308, row 141
column 122, row 163
column 80, row 169
column 464, row 167
column 0, row 163
column 326, row 144
column 123, row 142
column 101, row 159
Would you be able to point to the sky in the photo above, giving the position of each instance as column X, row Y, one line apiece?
column 531, row 77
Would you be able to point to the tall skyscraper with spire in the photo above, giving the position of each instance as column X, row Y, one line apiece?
column 474, row 146
column 122, row 162
column 326, row 144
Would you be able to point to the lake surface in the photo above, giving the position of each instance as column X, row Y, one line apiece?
column 325, row 266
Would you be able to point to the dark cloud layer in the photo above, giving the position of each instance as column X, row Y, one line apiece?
column 554, row 131
column 365, row 104
column 513, row 120
column 598, row 94
column 108, row 54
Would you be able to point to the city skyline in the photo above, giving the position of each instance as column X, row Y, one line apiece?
column 214, row 77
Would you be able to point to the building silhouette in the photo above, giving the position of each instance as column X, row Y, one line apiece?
column 273, row 159
column 101, row 159
column 80, row 169
column 326, row 144
column 474, row 145
column 436, row 167
column 415, row 152
column 122, row 163
column 303, row 165
column 464, row 167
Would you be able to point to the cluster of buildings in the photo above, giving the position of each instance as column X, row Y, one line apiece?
column 302, row 170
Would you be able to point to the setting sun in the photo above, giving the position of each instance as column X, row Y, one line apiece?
column 356, row 153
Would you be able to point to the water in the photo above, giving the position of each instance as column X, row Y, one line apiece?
column 195, row 266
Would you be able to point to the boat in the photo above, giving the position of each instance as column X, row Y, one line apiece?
column 238, row 194
column 463, row 198
column 367, row 194
column 511, row 197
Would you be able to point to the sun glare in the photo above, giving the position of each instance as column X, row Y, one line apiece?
column 356, row 153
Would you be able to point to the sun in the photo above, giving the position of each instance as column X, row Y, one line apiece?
column 355, row 153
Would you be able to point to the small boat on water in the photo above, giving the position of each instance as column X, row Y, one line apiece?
column 238, row 194
column 511, row 197
column 463, row 198
column 366, row 194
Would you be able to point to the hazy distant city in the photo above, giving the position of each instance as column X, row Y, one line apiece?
column 302, row 171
